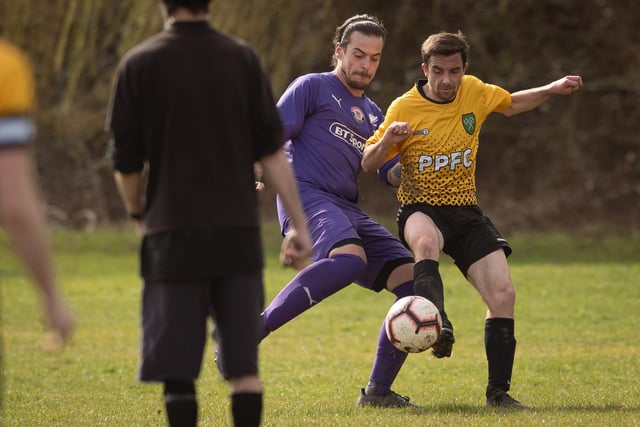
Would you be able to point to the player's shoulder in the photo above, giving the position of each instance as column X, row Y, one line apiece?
column 311, row 79
column 16, row 80
column 474, row 82
column 310, row 82
column 141, row 51
column 474, row 87
column 232, row 45
column 411, row 95
column 471, row 80
column 13, row 61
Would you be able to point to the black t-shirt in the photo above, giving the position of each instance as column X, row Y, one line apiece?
column 195, row 106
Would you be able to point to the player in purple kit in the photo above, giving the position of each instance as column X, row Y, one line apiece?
column 327, row 119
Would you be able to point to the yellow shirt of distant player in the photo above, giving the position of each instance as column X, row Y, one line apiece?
column 16, row 81
column 439, row 159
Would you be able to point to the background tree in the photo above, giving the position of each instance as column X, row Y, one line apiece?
column 572, row 164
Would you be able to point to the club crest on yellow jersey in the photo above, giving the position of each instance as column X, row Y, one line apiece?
column 469, row 123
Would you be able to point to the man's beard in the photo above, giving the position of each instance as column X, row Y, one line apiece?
column 452, row 93
column 353, row 83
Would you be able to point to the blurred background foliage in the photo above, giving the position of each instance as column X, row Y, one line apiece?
column 573, row 164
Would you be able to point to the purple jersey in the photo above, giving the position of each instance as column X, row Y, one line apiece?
column 327, row 128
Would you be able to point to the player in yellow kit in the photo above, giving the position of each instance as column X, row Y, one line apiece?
column 433, row 129
column 21, row 215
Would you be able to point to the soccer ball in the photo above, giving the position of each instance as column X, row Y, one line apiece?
column 413, row 324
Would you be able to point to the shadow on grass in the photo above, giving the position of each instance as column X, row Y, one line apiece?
column 587, row 408
column 554, row 409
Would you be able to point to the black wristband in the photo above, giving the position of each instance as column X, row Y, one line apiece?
column 136, row 216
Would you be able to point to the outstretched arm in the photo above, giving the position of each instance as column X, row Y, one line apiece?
column 529, row 99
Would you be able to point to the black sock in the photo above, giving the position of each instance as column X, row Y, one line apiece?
column 427, row 283
column 500, row 346
column 246, row 409
column 180, row 403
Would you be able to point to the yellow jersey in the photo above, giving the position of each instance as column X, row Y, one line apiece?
column 438, row 161
column 16, row 97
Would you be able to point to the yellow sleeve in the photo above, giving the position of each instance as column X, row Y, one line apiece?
column 498, row 99
column 389, row 118
column 16, row 82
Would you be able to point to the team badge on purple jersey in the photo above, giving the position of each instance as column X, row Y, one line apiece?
column 357, row 114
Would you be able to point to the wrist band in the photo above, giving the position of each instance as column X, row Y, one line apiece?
column 136, row 216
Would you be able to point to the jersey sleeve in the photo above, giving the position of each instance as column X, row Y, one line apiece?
column 267, row 125
column 16, row 97
column 389, row 118
column 126, row 149
column 496, row 98
column 16, row 82
column 383, row 171
column 295, row 104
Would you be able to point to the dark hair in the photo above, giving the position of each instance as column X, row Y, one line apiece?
column 445, row 44
column 194, row 6
column 365, row 24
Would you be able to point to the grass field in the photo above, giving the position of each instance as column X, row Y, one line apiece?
column 577, row 360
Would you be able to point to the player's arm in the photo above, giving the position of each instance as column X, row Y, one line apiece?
column 296, row 246
column 257, row 173
column 375, row 154
column 21, row 213
column 295, row 104
column 529, row 99
column 131, row 187
column 125, row 150
column 389, row 172
column 23, row 219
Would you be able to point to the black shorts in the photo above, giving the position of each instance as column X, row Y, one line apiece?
column 468, row 234
column 175, row 326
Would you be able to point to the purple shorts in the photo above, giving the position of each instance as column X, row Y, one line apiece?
column 335, row 222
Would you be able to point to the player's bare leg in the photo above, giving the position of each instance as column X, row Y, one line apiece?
column 426, row 242
column 490, row 276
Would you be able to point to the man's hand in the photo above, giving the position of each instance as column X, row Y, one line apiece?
column 396, row 132
column 60, row 322
column 566, row 85
column 295, row 250
column 374, row 155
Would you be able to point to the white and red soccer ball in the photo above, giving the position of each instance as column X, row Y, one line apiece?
column 413, row 324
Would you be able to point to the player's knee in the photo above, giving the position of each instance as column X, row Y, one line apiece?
column 179, row 390
column 504, row 296
column 425, row 246
column 245, row 384
column 348, row 265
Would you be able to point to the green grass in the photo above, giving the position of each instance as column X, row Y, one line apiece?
column 577, row 361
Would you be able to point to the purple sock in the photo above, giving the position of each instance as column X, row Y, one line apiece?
column 313, row 284
column 389, row 359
